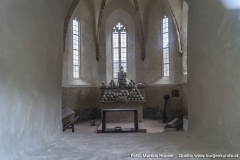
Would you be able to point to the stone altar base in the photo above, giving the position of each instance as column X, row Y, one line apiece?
column 116, row 117
column 141, row 126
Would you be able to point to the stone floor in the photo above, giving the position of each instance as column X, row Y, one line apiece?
column 84, row 144
column 152, row 126
column 91, row 146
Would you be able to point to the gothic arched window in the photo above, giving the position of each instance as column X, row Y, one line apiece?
column 119, row 48
column 76, row 49
column 165, row 46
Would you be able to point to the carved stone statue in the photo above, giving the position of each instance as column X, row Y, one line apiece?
column 122, row 77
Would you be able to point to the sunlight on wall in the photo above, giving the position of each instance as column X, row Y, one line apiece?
column 232, row 4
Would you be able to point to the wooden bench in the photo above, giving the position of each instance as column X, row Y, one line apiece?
column 70, row 125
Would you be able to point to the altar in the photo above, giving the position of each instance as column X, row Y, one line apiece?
column 122, row 95
column 115, row 117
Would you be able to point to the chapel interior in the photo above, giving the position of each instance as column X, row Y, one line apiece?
column 162, row 59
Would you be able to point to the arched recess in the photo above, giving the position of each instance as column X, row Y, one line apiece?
column 154, row 47
column 68, row 19
column 120, row 15
column 88, row 68
column 126, row 12
column 141, row 29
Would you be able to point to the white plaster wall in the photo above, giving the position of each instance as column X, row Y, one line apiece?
column 148, row 71
column 153, row 41
column 67, row 4
column 153, row 65
column 177, row 9
column 213, row 70
column 30, row 73
column 88, row 63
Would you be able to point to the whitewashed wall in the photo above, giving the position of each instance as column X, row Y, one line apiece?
column 30, row 73
column 213, row 70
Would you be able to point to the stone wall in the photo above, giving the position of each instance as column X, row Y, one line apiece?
column 123, row 116
column 154, row 107
column 85, row 102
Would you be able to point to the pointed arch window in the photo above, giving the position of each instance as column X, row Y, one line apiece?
column 76, row 49
column 119, row 48
column 165, row 46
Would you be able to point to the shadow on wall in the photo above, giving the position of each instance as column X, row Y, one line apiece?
column 83, row 100
column 156, row 113
column 88, row 114
column 153, row 109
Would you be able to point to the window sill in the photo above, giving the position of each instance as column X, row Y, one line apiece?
column 184, row 78
column 162, row 81
column 78, row 83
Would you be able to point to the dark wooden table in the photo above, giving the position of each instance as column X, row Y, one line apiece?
column 105, row 130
